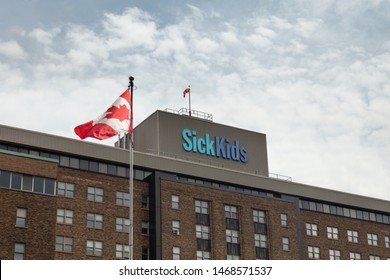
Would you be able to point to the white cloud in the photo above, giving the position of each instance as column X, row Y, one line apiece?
column 322, row 103
column 43, row 36
column 12, row 50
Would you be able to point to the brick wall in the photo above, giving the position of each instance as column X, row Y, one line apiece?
column 188, row 193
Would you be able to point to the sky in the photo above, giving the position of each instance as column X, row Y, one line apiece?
column 314, row 76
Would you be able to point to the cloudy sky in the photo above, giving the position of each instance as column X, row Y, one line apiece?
column 312, row 75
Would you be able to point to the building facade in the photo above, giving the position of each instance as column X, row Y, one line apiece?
column 202, row 190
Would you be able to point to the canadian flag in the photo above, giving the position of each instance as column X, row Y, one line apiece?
column 187, row 90
column 118, row 118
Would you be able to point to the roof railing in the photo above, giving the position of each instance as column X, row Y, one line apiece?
column 192, row 113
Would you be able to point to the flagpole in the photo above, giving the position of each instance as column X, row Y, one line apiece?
column 189, row 99
column 131, row 171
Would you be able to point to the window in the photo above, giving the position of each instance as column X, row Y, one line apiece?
column 21, row 216
column 122, row 199
column 202, row 232
column 5, row 178
column 94, row 248
column 64, row 244
column 202, row 255
column 145, row 228
column 374, row 257
column 232, row 236
column 260, row 240
column 27, row 183
column 145, row 253
column 201, row 207
column 94, row 221
column 311, row 229
column 353, row 236
column 372, row 239
column 122, row 225
column 232, row 257
column 258, row 216
column 19, row 251
column 95, row 194
column 313, row 252
column 387, row 241
column 122, row 251
column 65, row 189
column 175, row 202
column 231, row 212
column 334, row 254
column 354, row 256
column 285, row 244
column 176, row 227
column 176, row 253
column 64, row 216
column 333, row 233
column 145, row 202
column 283, row 220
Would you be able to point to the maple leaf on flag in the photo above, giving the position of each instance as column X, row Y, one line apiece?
column 116, row 119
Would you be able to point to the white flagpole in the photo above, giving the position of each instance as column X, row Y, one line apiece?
column 131, row 175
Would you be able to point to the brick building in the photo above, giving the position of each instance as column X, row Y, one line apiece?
column 201, row 191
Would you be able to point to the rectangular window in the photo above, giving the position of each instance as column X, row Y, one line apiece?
column 387, row 241
column 260, row 240
column 231, row 212
column 16, row 181
column 175, row 202
column 353, row 236
column 27, row 183
column 201, row 207
column 49, row 186
column 332, row 232
column 313, row 252
column 95, row 194
column 145, row 253
column 283, row 220
column 232, row 257
column 65, row 189
column 176, row 227
column 19, row 253
column 311, row 229
column 39, row 183
column 5, row 178
column 64, row 216
column 259, row 216
column 94, row 248
column 21, row 217
column 232, row 236
column 122, row 199
column 145, row 228
column 376, row 258
column 94, row 221
column 202, row 255
column 122, row 225
column 64, row 244
column 176, row 253
column 354, row 256
column 372, row 239
column 122, row 251
column 145, row 202
column 285, row 244
column 334, row 254
column 202, row 232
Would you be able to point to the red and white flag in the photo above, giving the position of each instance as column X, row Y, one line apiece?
column 118, row 118
column 187, row 90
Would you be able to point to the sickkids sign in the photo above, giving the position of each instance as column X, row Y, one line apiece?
column 220, row 147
